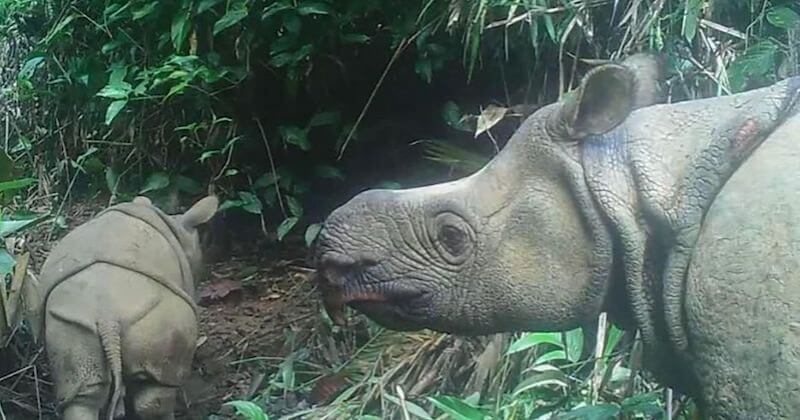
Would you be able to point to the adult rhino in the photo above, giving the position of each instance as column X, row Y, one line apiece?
column 680, row 220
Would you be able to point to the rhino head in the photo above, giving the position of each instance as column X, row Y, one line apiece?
column 189, row 228
column 518, row 245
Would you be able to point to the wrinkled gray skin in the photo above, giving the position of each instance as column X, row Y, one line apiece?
column 680, row 220
column 119, row 319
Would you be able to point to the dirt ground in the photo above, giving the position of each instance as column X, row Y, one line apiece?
column 248, row 302
column 247, row 305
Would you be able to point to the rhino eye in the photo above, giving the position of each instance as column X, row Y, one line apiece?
column 453, row 239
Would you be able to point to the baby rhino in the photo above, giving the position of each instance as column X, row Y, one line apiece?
column 119, row 320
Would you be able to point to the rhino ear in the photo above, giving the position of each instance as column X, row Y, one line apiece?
column 201, row 212
column 649, row 71
column 602, row 102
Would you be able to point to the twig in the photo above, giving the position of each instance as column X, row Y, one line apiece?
column 8, row 131
column 597, row 375
column 399, row 50
column 402, row 398
column 535, row 11
column 38, row 395
column 15, row 373
column 708, row 73
column 494, row 141
column 61, row 206
column 668, row 397
column 230, row 146
column 97, row 25
column 724, row 29
column 271, row 165
column 539, row 10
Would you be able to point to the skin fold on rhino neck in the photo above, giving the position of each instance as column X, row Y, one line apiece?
column 655, row 177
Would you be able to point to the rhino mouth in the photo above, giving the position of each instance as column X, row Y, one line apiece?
column 395, row 303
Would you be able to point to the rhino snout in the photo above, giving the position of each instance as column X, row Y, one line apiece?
column 362, row 281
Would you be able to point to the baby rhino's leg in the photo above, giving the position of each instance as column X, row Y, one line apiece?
column 159, row 349
column 153, row 401
column 82, row 382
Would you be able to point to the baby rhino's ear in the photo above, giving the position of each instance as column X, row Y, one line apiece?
column 200, row 213
column 143, row 200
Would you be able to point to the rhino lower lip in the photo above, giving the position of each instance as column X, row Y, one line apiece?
column 391, row 294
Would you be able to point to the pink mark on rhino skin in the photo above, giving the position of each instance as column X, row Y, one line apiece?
column 745, row 136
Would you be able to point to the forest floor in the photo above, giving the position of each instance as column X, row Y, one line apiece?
column 247, row 304
column 264, row 337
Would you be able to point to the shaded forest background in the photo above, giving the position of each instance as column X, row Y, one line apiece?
column 287, row 108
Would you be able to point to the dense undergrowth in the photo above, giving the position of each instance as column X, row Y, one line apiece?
column 287, row 107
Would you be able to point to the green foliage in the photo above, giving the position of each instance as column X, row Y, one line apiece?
column 168, row 98
column 13, row 223
column 165, row 79
column 163, row 87
column 248, row 410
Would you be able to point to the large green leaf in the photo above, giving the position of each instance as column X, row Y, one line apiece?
column 550, row 356
column 118, row 91
column 250, row 203
column 296, row 136
column 549, row 377
column 248, row 410
column 179, row 30
column 114, row 109
column 9, row 227
column 329, row 172
column 691, row 17
column 112, row 179
column 783, row 17
column 614, row 335
column 592, row 412
column 449, row 154
column 206, row 5
column 7, row 263
column 7, row 169
column 324, row 118
column 30, row 66
column 311, row 233
column 230, row 18
column 16, row 184
column 186, row 185
column 275, row 8
column 295, row 207
column 574, row 339
column 757, row 61
column 457, row 408
column 145, row 10
column 286, row 226
column 58, row 28
column 647, row 404
column 529, row 340
column 412, row 408
column 156, row 181
column 313, row 8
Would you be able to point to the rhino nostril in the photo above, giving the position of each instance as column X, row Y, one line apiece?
column 366, row 259
column 336, row 267
column 337, row 261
